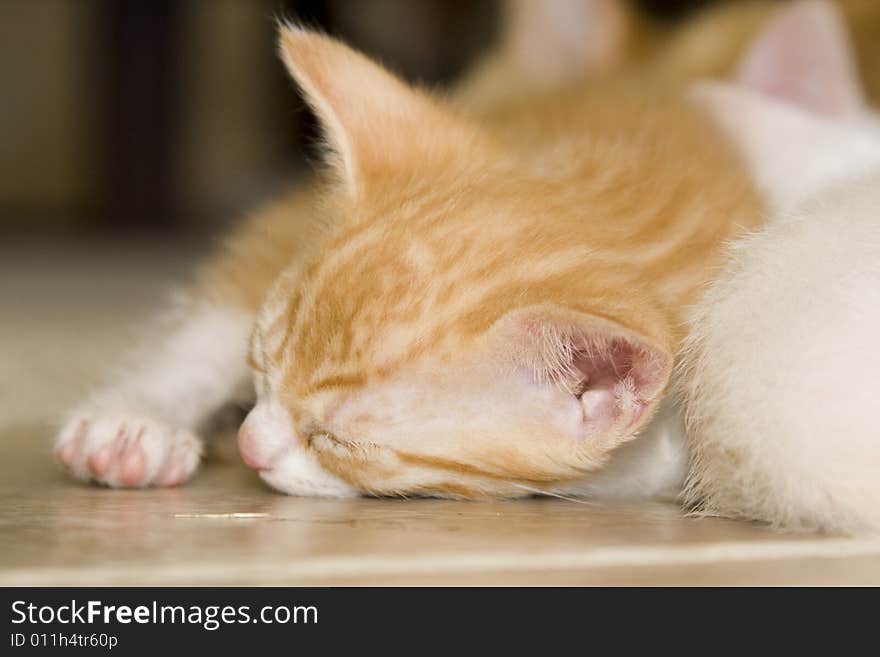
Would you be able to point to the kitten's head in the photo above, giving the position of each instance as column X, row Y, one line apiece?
column 796, row 109
column 437, row 343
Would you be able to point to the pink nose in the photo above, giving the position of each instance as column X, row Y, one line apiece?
column 264, row 437
column 254, row 453
column 249, row 450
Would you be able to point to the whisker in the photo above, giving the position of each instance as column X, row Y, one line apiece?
column 567, row 498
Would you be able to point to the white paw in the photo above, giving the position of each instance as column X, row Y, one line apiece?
column 126, row 450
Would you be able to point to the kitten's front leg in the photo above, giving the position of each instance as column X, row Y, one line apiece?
column 142, row 431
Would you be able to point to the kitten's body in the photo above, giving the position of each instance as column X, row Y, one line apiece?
column 783, row 367
column 442, row 288
column 562, row 202
column 781, row 371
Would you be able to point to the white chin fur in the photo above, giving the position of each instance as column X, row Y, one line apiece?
column 297, row 473
column 293, row 471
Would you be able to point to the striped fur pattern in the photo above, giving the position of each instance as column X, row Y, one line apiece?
column 446, row 336
column 495, row 309
column 481, row 295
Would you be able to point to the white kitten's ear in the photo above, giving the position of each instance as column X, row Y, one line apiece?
column 617, row 375
column 371, row 119
column 555, row 41
column 789, row 152
column 804, row 57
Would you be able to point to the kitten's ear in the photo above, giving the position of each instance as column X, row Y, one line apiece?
column 790, row 153
column 617, row 375
column 555, row 41
column 788, row 111
column 372, row 120
column 804, row 57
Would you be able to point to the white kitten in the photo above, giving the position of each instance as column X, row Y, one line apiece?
column 782, row 364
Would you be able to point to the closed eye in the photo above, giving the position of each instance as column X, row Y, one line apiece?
column 323, row 441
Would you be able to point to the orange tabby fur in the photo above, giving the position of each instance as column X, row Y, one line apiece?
column 709, row 45
column 564, row 201
column 437, row 313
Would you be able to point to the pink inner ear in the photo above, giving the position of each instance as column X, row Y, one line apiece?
column 619, row 380
column 615, row 374
column 804, row 58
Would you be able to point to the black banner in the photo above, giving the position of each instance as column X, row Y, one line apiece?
column 129, row 620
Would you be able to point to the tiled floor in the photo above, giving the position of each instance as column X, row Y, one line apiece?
column 66, row 311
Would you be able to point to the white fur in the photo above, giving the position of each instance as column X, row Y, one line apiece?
column 791, row 152
column 89, row 431
column 782, row 365
column 176, row 382
column 298, row 473
column 653, row 465
column 190, row 372
column 293, row 470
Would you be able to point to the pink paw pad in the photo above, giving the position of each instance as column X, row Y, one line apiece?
column 133, row 466
column 125, row 451
column 68, row 451
column 172, row 474
column 101, row 460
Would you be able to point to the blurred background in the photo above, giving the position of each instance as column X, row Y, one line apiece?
column 125, row 118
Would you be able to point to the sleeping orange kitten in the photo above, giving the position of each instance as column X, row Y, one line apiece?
column 476, row 302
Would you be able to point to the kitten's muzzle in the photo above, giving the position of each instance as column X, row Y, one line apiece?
column 250, row 451
column 265, row 435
